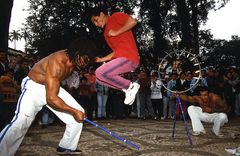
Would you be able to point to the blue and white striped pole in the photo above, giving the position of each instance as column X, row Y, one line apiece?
column 113, row 134
column 185, row 121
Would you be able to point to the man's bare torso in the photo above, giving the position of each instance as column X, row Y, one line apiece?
column 214, row 99
column 215, row 102
column 58, row 59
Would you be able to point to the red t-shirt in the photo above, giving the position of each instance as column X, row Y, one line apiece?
column 123, row 45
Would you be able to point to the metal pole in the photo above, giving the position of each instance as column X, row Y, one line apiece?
column 185, row 122
column 113, row 134
column 174, row 122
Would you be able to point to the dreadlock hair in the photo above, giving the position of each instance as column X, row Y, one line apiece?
column 82, row 47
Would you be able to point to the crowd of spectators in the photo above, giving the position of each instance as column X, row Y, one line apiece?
column 12, row 71
column 153, row 101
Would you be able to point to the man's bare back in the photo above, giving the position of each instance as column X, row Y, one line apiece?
column 40, row 70
column 42, row 87
column 50, row 71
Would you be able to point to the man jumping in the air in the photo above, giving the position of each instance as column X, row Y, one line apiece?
column 124, row 56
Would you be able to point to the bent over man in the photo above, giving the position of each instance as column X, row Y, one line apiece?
column 41, row 87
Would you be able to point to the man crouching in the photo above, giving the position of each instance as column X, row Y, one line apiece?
column 207, row 107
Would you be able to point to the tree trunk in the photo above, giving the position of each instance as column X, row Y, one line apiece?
column 15, row 43
column 156, row 22
column 195, row 25
column 184, row 19
column 5, row 16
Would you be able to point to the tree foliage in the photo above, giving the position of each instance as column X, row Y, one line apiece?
column 14, row 36
column 53, row 24
column 223, row 53
column 163, row 24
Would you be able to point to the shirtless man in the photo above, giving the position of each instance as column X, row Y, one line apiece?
column 212, row 109
column 41, row 87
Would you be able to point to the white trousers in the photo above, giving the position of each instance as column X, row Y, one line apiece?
column 197, row 115
column 30, row 102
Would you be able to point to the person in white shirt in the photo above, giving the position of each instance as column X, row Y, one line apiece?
column 156, row 95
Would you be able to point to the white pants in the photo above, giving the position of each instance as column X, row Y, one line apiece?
column 197, row 115
column 30, row 102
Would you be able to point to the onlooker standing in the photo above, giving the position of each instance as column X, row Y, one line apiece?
column 156, row 95
column 212, row 80
column 180, row 81
column 237, row 88
column 187, row 82
column 47, row 117
column 235, row 83
column 167, row 110
column 3, row 67
column 83, row 96
column 21, row 72
column 102, row 96
column 12, row 65
column 118, row 106
column 228, row 94
column 180, row 87
column 71, row 83
column 144, row 96
column 7, row 87
column 8, row 84
column 172, row 99
column 19, row 59
column 91, row 77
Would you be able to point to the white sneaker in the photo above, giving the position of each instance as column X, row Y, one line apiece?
column 219, row 134
column 196, row 133
column 163, row 117
column 233, row 151
column 130, row 93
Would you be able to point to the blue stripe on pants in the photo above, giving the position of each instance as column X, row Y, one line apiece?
column 16, row 115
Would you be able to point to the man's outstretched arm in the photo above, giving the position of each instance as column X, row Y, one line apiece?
column 191, row 99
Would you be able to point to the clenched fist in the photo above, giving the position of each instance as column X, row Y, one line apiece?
column 78, row 115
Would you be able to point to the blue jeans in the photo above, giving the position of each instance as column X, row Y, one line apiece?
column 145, row 102
column 102, row 100
column 47, row 116
column 138, row 105
column 237, row 105
column 172, row 104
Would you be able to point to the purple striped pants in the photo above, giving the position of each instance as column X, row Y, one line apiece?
column 109, row 73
